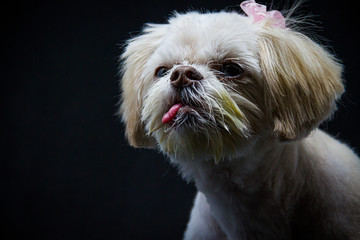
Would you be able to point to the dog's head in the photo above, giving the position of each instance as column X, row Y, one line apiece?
column 209, row 85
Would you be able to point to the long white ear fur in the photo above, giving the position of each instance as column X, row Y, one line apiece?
column 302, row 81
column 134, row 83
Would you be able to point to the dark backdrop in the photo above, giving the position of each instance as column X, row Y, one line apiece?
column 66, row 170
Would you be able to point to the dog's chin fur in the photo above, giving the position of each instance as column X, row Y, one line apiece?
column 250, row 139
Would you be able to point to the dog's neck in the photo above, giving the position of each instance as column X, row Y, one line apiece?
column 253, row 182
column 255, row 167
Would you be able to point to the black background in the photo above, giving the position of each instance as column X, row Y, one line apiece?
column 66, row 169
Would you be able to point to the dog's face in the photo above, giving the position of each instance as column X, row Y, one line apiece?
column 210, row 85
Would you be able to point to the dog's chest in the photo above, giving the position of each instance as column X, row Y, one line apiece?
column 243, row 210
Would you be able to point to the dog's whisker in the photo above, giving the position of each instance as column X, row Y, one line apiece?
column 154, row 129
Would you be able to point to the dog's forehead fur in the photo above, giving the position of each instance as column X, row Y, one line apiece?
column 201, row 38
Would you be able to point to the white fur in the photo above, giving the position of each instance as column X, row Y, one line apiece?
column 251, row 144
column 230, row 188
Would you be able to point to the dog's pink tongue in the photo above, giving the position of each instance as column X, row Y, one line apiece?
column 170, row 115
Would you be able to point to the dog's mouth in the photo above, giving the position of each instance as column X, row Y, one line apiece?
column 171, row 114
column 180, row 111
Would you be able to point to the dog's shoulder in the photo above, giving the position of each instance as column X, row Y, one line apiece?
column 332, row 187
column 331, row 153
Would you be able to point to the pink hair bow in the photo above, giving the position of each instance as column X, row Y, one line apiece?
column 258, row 13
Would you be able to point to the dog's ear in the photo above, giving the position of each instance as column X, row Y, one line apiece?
column 302, row 82
column 135, row 82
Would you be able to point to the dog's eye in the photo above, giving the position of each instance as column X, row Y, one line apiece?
column 232, row 70
column 161, row 71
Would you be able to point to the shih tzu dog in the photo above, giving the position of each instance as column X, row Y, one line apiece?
column 235, row 101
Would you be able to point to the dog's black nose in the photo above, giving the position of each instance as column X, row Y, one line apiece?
column 184, row 76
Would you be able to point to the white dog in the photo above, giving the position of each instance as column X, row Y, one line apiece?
column 235, row 102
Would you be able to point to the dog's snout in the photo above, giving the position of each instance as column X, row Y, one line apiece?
column 184, row 76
